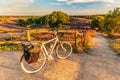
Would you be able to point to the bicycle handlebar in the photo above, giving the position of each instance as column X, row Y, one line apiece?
column 55, row 30
column 26, row 44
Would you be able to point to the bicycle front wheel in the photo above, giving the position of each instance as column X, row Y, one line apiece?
column 64, row 50
column 33, row 67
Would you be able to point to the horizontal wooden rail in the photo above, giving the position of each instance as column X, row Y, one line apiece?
column 78, row 37
column 10, row 42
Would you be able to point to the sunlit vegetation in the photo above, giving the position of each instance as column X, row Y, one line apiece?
column 10, row 47
column 109, row 23
column 115, row 44
column 60, row 20
column 4, row 19
column 55, row 19
column 114, row 41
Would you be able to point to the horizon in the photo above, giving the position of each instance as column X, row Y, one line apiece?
column 43, row 15
column 71, row 7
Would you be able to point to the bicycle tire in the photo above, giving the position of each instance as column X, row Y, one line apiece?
column 65, row 51
column 24, row 65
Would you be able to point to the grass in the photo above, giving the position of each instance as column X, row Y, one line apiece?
column 114, row 44
column 82, row 43
column 10, row 47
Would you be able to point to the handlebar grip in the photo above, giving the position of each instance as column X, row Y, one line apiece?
column 31, row 46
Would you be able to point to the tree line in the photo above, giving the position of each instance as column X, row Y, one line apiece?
column 55, row 19
column 109, row 23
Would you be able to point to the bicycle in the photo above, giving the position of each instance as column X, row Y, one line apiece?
column 63, row 51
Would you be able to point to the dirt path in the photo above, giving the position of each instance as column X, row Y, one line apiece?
column 100, row 64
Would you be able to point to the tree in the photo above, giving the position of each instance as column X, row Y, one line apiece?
column 21, row 22
column 44, row 20
column 57, row 19
column 112, row 21
column 109, row 23
column 94, row 24
column 98, row 22
column 30, row 21
column 37, row 21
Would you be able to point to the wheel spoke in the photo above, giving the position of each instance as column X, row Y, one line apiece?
column 64, row 50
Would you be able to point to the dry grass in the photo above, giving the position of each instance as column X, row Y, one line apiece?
column 115, row 45
column 10, row 26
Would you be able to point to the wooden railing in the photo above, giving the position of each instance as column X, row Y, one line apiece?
column 77, row 40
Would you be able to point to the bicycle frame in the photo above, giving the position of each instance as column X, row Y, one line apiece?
column 46, row 54
column 53, row 47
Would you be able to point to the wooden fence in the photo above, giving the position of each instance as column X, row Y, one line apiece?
column 76, row 37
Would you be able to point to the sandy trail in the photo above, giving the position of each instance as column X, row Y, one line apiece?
column 100, row 64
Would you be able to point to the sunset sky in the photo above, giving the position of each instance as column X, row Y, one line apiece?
column 43, row 7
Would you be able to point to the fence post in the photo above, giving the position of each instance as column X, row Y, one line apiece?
column 28, row 35
column 82, row 37
column 76, row 39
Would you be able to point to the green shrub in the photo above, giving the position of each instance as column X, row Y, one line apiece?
column 10, row 47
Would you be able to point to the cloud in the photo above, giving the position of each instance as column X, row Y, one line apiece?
column 17, row 4
column 86, row 12
column 58, row 4
column 84, row 1
column 109, row 5
column 62, row 0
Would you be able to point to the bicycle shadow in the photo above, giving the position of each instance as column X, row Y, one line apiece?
column 66, row 69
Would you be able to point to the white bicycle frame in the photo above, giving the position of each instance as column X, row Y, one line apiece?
column 49, row 55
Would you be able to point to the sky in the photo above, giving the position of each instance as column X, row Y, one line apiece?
column 44, row 7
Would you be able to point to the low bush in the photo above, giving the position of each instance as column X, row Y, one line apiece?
column 87, row 39
column 114, row 43
column 10, row 47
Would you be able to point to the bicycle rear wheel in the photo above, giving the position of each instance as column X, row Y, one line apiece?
column 64, row 50
column 33, row 67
